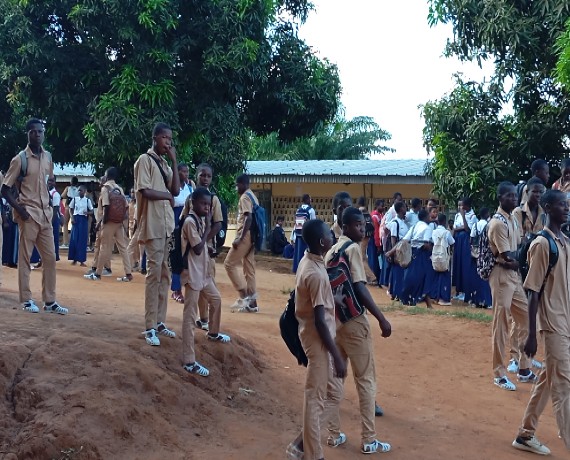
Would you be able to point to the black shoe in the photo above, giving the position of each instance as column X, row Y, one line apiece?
column 378, row 412
column 143, row 271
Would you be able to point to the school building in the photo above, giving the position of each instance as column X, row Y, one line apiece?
column 279, row 185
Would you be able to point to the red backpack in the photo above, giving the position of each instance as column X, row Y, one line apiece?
column 118, row 209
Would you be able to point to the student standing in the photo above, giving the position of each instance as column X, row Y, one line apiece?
column 398, row 229
column 315, row 311
column 506, row 287
column 341, row 201
column 563, row 183
column 412, row 216
column 304, row 213
column 477, row 290
column 549, row 299
column 79, row 208
column 441, row 292
column 56, row 219
column 33, row 215
column 198, row 281
column 541, row 171
column 364, row 244
column 377, row 216
column 354, row 340
column 186, row 189
column 156, row 188
column 242, row 253
column 69, row 193
column 386, row 240
column 462, row 225
column 111, row 232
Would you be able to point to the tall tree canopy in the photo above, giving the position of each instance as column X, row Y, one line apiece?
column 519, row 37
column 102, row 73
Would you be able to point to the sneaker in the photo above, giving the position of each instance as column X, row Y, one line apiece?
column 90, row 271
column 196, row 368
column 293, row 452
column 339, row 440
column 504, row 383
column 30, row 306
column 107, row 272
column 460, row 297
column 444, row 304
column 531, row 444
column 375, row 446
column 248, row 309
column 163, row 330
column 378, row 411
column 202, row 325
column 513, row 366
column 537, row 364
column 239, row 304
column 151, row 338
column 529, row 378
column 223, row 338
column 63, row 246
column 92, row 276
column 54, row 307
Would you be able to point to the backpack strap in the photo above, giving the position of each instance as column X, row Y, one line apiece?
column 252, row 199
column 188, row 246
column 552, row 255
column 162, row 173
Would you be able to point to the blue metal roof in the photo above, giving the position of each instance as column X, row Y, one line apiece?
column 366, row 171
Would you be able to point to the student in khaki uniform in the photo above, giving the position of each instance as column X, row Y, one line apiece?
column 33, row 214
column 341, row 201
column 506, row 288
column 97, row 246
column 354, row 341
column 530, row 219
column 549, row 296
column 242, row 253
column 111, row 232
column 197, row 279
column 541, row 171
column 314, row 309
column 156, row 186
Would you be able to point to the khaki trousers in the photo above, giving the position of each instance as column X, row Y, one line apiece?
column 157, row 282
column 370, row 276
column 211, row 293
column 319, row 372
column 203, row 304
column 111, row 233
column 243, row 257
column 536, row 405
column 508, row 301
column 66, row 219
column 354, row 340
column 135, row 248
column 97, row 251
column 39, row 235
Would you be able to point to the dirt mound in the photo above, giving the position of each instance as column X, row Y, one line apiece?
column 67, row 392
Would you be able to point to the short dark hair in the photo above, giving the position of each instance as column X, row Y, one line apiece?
column 242, row 179
column 305, row 197
column 504, row 187
column 416, row 202
column 33, row 121
column 398, row 206
column 340, row 196
column 538, row 164
column 423, row 214
column 534, row 181
column 379, row 202
column 182, row 165
column 466, row 201
column 112, row 173
column 74, row 180
column 550, row 197
column 441, row 219
column 435, row 201
column 200, row 192
column 280, row 218
column 483, row 213
column 204, row 166
column 432, row 208
column 159, row 128
column 361, row 201
column 313, row 231
column 351, row 214
column 397, row 195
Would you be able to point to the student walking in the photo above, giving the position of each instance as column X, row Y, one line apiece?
column 242, row 253
column 315, row 311
column 198, row 281
column 506, row 288
column 549, row 296
column 354, row 340
column 80, row 208
column 33, row 215
column 156, row 186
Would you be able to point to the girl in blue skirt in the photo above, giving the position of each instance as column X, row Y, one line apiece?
column 478, row 291
column 398, row 229
column 462, row 225
column 441, row 282
column 80, row 209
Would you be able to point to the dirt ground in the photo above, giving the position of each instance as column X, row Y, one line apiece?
column 87, row 386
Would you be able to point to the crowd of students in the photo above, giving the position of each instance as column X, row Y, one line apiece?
column 333, row 321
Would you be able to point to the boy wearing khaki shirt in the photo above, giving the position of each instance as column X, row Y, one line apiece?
column 549, row 296
column 354, row 340
column 242, row 252
column 506, row 288
column 197, row 279
column 33, row 214
column 156, row 186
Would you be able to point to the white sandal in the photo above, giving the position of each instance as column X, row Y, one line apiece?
column 197, row 368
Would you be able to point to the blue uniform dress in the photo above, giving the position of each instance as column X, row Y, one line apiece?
column 418, row 274
column 477, row 290
column 78, row 240
column 372, row 256
column 398, row 228
column 304, row 213
column 11, row 240
column 461, row 269
column 441, row 281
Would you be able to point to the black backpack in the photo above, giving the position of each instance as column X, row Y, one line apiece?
column 520, row 190
column 369, row 225
column 258, row 225
column 220, row 237
column 523, row 254
column 178, row 261
column 289, row 327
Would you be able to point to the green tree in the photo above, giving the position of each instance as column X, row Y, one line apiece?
column 519, row 38
column 102, row 73
column 342, row 139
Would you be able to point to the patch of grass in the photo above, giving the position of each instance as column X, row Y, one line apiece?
column 479, row 316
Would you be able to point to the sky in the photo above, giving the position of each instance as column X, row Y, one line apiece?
column 390, row 61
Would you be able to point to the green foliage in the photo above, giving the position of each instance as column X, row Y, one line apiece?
column 103, row 73
column 519, row 37
column 340, row 140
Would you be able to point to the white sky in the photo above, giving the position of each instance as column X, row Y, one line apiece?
column 390, row 61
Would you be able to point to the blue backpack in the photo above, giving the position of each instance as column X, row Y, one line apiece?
column 258, row 225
